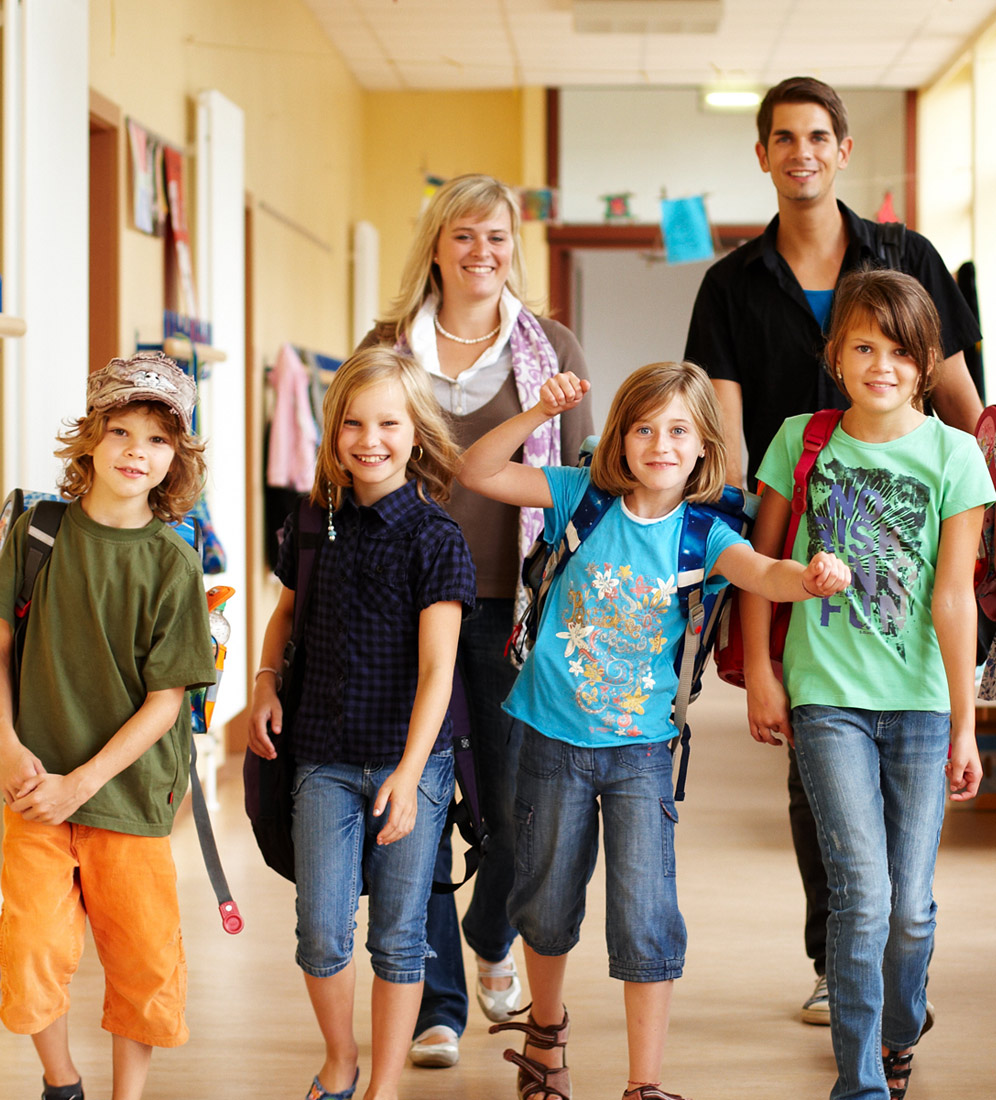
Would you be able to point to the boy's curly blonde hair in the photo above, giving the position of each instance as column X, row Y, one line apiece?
column 173, row 497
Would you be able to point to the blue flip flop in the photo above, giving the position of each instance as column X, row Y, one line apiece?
column 318, row 1092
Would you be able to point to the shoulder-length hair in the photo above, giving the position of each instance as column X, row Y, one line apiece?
column 471, row 196
column 439, row 456
column 173, row 497
column 643, row 394
column 901, row 308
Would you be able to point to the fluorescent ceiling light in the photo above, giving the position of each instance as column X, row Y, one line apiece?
column 730, row 99
column 647, row 16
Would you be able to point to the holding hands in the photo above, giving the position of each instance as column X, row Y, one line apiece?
column 767, row 702
column 825, row 575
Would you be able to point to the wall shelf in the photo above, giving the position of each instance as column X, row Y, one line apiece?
column 178, row 347
column 12, row 326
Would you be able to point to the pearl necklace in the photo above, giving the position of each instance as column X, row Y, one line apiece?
column 460, row 339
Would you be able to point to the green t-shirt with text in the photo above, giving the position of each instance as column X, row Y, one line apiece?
column 879, row 507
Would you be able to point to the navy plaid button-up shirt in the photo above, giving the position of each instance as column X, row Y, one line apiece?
column 388, row 562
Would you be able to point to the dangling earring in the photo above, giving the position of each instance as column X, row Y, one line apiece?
column 417, row 457
column 331, row 525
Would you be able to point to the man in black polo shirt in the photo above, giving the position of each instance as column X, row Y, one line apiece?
column 757, row 328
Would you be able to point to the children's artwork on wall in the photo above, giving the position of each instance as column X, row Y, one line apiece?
column 144, row 201
column 539, row 204
column 181, row 235
column 617, row 207
column 886, row 212
column 685, row 228
column 430, row 185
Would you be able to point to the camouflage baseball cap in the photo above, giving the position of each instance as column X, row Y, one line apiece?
column 146, row 376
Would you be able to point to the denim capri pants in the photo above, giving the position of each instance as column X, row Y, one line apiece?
column 335, row 854
column 560, row 791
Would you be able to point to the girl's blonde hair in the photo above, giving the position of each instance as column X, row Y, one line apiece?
column 472, row 196
column 644, row 393
column 173, row 497
column 439, row 455
column 901, row 308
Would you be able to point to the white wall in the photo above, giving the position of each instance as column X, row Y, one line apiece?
column 221, row 283
column 643, row 139
column 956, row 176
column 46, row 231
column 612, row 289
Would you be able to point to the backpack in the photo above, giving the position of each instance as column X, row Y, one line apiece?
column 890, row 244
column 985, row 565
column 546, row 561
column 42, row 532
column 269, row 800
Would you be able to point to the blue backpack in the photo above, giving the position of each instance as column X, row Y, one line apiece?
column 546, row 560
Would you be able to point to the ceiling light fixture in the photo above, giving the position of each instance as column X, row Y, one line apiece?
column 729, row 99
column 647, row 16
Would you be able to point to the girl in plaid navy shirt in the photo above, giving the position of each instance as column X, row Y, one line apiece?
column 371, row 734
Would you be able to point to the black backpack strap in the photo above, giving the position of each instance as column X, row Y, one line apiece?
column 44, row 526
column 42, row 529
column 464, row 812
column 890, row 244
column 308, row 534
column 310, row 529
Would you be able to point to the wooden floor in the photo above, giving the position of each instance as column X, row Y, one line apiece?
column 735, row 1031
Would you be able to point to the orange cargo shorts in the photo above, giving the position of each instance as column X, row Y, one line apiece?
column 56, row 876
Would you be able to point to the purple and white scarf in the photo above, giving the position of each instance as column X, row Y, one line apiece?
column 533, row 362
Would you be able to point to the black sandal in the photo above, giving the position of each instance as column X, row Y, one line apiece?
column 650, row 1092
column 534, row 1078
column 62, row 1092
column 898, row 1067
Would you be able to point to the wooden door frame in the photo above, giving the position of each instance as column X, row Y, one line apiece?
column 105, row 230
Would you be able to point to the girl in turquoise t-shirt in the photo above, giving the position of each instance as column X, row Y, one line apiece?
column 880, row 678
column 597, row 690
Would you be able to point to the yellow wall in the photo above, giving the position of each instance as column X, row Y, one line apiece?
column 409, row 134
column 303, row 111
column 319, row 153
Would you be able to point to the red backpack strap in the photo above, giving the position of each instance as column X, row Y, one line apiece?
column 815, row 436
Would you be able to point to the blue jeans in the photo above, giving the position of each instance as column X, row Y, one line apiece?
column 560, row 790
column 335, row 854
column 488, row 675
column 875, row 780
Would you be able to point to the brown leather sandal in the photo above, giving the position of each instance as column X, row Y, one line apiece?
column 650, row 1092
column 535, row 1079
column 898, row 1067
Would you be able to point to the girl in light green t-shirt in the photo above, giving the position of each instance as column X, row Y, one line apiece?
column 879, row 691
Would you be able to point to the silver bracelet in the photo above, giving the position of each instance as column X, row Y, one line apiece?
column 276, row 672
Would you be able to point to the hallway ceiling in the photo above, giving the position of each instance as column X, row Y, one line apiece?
column 451, row 44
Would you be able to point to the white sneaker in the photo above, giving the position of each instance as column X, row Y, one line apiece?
column 435, row 1048
column 499, row 1004
column 817, row 1009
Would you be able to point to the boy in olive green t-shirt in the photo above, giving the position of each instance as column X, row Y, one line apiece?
column 95, row 760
